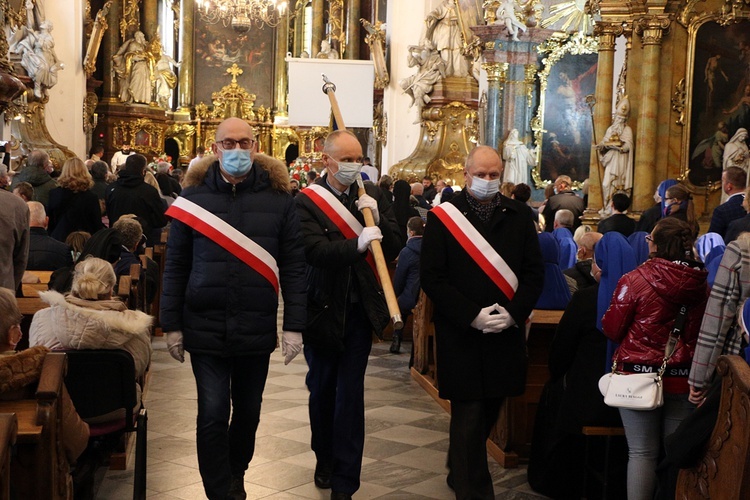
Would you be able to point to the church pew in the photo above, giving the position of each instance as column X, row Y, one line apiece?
column 510, row 439
column 39, row 467
column 724, row 470
column 8, row 435
column 44, row 276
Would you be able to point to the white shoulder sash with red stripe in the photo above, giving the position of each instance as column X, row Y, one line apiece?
column 338, row 214
column 478, row 248
column 226, row 236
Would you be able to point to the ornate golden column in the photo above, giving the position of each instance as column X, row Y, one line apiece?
column 606, row 33
column 299, row 28
column 187, row 50
column 150, row 18
column 352, row 29
column 110, row 45
column 651, row 29
column 280, row 73
column 318, row 27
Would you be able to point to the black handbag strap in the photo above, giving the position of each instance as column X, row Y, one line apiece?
column 674, row 336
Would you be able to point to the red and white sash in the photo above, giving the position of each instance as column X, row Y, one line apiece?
column 337, row 213
column 226, row 236
column 478, row 248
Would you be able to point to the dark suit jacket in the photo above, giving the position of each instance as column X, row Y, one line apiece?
column 736, row 227
column 474, row 365
column 725, row 213
column 567, row 200
column 46, row 253
column 617, row 222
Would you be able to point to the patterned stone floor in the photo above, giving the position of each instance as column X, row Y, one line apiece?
column 404, row 458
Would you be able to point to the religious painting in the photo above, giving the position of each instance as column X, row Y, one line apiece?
column 218, row 47
column 563, row 125
column 719, row 96
column 472, row 14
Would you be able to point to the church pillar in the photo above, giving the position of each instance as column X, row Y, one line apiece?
column 606, row 33
column 651, row 29
column 150, row 18
column 280, row 77
column 110, row 45
column 497, row 76
column 335, row 22
column 299, row 29
column 353, row 11
column 187, row 50
column 318, row 26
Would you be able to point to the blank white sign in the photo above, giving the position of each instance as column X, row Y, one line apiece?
column 310, row 107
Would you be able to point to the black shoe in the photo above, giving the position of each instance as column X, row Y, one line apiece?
column 237, row 488
column 340, row 496
column 322, row 476
column 396, row 345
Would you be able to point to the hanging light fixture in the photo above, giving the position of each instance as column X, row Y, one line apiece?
column 242, row 14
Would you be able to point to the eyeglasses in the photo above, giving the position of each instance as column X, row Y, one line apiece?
column 649, row 238
column 232, row 143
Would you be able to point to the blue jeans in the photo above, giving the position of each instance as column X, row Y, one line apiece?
column 337, row 402
column 227, row 383
column 645, row 432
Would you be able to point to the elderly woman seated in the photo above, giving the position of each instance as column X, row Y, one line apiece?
column 89, row 318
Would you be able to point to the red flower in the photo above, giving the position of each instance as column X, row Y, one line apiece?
column 296, row 176
column 306, row 167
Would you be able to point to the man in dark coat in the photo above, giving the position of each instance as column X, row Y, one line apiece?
column 345, row 305
column 479, row 329
column 564, row 197
column 220, row 294
column 36, row 172
column 45, row 252
column 14, row 245
column 580, row 276
column 733, row 183
column 131, row 195
column 619, row 221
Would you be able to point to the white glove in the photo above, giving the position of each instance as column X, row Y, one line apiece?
column 291, row 345
column 367, row 201
column 487, row 322
column 506, row 320
column 367, row 236
column 174, row 344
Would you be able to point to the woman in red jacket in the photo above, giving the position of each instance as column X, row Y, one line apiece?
column 640, row 318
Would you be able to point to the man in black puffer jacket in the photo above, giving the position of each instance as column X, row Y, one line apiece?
column 345, row 305
column 234, row 240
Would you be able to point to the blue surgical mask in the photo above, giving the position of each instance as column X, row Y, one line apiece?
column 236, row 162
column 348, row 172
column 484, row 189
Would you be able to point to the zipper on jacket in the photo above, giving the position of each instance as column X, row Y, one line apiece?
column 234, row 191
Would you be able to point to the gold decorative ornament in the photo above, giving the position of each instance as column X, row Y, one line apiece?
column 375, row 39
column 678, row 102
column 97, row 33
column 89, row 111
column 530, row 82
column 652, row 29
column 142, row 134
column 574, row 15
column 242, row 15
column 129, row 22
column 233, row 100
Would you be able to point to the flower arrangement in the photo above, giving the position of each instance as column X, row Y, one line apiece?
column 298, row 170
column 159, row 158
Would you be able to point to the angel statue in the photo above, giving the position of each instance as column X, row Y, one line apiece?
column 35, row 45
column 431, row 70
column 166, row 80
column 506, row 15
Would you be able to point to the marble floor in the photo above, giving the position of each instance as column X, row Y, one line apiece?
column 405, row 447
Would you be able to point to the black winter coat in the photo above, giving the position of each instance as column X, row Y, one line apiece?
column 473, row 365
column 221, row 305
column 336, row 268
column 46, row 253
column 70, row 211
column 131, row 195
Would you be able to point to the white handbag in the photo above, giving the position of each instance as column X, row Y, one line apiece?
column 640, row 391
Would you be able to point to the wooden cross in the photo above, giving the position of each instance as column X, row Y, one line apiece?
column 234, row 71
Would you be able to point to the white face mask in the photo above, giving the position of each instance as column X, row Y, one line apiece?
column 348, row 172
column 484, row 189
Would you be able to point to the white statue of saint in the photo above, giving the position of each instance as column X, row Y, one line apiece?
column 736, row 151
column 444, row 31
column 326, row 51
column 132, row 64
column 36, row 47
column 431, row 70
column 506, row 16
column 616, row 153
column 518, row 159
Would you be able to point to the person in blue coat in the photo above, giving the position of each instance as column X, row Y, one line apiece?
column 406, row 279
column 223, row 311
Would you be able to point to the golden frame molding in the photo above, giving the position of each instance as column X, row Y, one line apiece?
column 730, row 13
column 557, row 47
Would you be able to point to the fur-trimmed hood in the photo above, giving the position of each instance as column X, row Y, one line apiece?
column 278, row 174
column 77, row 327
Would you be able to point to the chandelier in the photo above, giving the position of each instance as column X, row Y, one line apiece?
column 242, row 14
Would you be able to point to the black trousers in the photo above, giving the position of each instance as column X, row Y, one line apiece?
column 471, row 423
